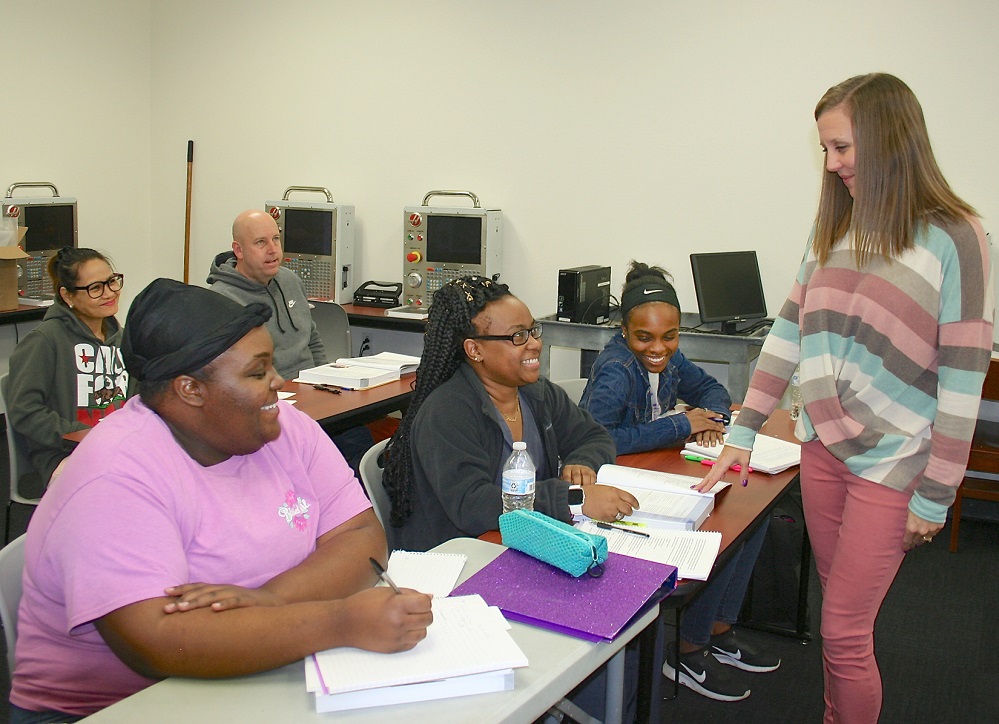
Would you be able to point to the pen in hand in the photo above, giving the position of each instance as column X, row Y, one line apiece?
column 380, row 572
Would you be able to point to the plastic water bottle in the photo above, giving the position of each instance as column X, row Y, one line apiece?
column 797, row 403
column 518, row 480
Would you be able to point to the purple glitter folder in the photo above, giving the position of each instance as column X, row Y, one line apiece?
column 595, row 609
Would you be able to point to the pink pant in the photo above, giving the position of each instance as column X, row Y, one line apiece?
column 856, row 528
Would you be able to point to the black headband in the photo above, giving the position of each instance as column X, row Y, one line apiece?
column 649, row 290
column 174, row 329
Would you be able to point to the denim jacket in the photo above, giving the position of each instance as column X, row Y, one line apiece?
column 618, row 397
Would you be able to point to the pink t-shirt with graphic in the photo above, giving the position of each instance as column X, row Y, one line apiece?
column 132, row 514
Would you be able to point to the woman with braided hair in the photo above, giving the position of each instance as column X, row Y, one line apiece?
column 479, row 390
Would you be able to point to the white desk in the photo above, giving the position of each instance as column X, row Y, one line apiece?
column 558, row 664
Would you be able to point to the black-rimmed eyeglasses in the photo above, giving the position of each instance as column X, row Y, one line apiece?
column 96, row 289
column 518, row 338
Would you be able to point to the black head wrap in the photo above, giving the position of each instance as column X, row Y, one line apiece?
column 174, row 329
column 651, row 289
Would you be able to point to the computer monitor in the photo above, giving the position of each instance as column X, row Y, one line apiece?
column 729, row 288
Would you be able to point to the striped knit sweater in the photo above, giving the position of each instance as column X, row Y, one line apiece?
column 892, row 358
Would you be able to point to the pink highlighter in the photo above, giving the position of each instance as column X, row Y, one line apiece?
column 736, row 468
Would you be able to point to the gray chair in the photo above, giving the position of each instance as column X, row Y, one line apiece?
column 371, row 478
column 334, row 328
column 574, row 387
column 11, row 566
column 20, row 465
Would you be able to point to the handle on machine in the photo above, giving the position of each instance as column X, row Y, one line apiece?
column 313, row 189
column 31, row 184
column 469, row 194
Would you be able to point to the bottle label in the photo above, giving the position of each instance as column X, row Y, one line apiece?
column 518, row 482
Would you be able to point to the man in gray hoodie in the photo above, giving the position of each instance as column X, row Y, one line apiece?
column 252, row 272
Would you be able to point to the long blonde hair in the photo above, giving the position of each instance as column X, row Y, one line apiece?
column 898, row 183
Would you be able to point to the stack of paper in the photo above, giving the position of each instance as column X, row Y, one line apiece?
column 468, row 650
column 354, row 377
column 693, row 552
column 770, row 454
column 401, row 363
column 665, row 500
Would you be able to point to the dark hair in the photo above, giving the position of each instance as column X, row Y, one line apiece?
column 898, row 182
column 454, row 307
column 638, row 276
column 64, row 268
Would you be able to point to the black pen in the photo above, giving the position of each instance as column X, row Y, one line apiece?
column 608, row 526
column 380, row 572
column 326, row 388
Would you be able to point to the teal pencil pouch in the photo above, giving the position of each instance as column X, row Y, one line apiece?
column 554, row 542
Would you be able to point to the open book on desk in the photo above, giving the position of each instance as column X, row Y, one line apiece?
column 770, row 454
column 665, row 500
column 401, row 363
column 468, row 650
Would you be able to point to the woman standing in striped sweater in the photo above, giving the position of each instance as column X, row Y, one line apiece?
column 890, row 320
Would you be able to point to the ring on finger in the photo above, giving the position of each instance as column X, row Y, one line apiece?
column 619, row 516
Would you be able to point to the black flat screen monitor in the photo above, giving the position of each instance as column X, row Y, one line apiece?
column 454, row 239
column 50, row 226
column 308, row 231
column 728, row 287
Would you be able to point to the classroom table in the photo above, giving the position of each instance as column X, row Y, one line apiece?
column 23, row 313
column 557, row 664
column 335, row 412
column 352, row 407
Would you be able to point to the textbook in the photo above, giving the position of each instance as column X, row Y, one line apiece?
column 468, row 650
column 401, row 363
column 354, row 377
column 665, row 500
column 770, row 454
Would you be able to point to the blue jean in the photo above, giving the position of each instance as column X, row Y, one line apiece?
column 23, row 716
column 721, row 599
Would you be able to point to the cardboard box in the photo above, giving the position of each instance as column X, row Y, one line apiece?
column 8, row 272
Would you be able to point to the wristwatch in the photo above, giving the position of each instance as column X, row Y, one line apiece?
column 576, row 499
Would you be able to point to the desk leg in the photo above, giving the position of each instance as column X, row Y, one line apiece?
column 546, row 361
column 614, row 702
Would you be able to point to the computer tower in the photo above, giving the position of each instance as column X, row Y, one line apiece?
column 584, row 294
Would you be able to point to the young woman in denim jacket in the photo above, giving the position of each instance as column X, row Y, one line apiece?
column 619, row 394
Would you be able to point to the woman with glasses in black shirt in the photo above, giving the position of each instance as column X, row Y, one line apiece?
column 479, row 390
column 68, row 373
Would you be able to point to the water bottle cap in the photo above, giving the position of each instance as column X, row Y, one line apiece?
column 520, row 445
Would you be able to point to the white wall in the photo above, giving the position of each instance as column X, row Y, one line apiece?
column 605, row 131
column 75, row 112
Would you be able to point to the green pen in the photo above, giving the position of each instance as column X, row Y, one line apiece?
column 693, row 458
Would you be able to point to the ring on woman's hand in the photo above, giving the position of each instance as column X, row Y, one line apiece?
column 619, row 516
column 927, row 538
